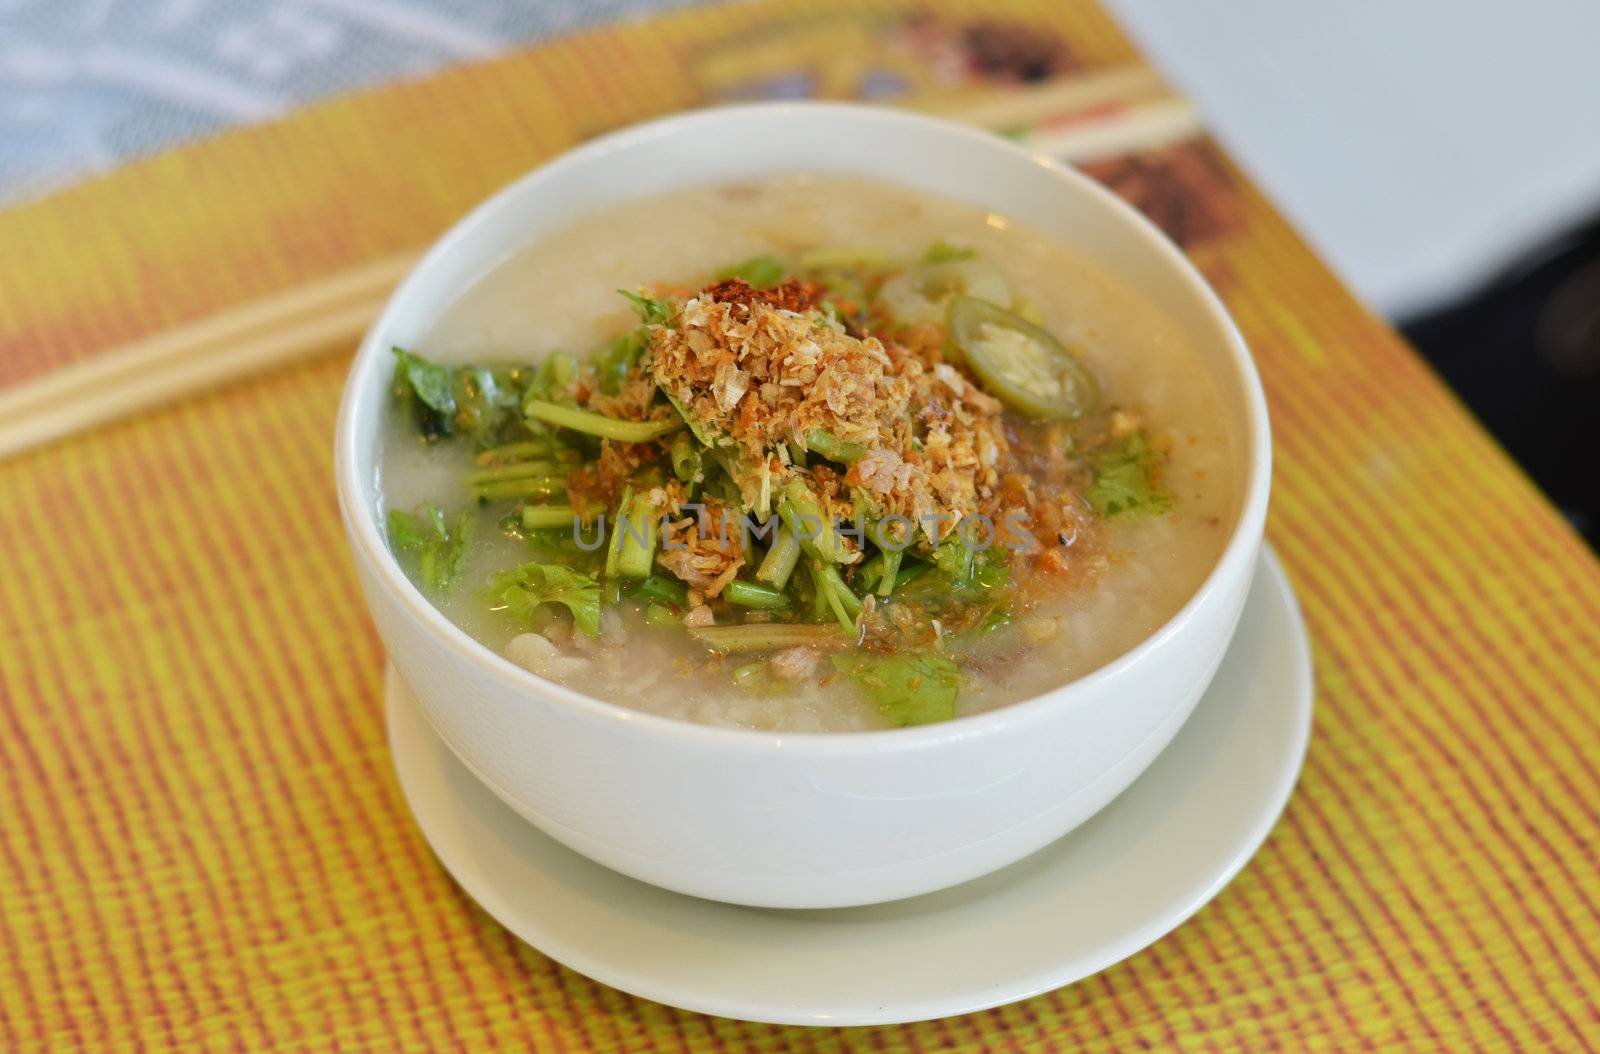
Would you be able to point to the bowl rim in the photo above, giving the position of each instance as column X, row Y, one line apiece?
column 1236, row 560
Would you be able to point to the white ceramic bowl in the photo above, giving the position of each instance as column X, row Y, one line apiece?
column 814, row 820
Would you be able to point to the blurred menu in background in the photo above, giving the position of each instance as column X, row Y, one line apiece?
column 1437, row 152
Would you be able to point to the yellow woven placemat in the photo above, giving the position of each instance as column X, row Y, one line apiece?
column 202, row 846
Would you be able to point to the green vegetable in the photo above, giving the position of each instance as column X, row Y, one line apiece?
column 752, row 595
column 598, row 424
column 554, row 545
column 778, row 564
column 429, row 544
column 551, row 376
column 891, row 551
column 513, row 470
column 833, row 448
column 411, row 531
column 988, row 572
column 706, row 435
column 998, row 617
column 907, row 689
column 656, row 615
column 762, row 272
column 955, row 558
column 871, row 573
column 637, row 548
column 942, row 251
column 488, row 400
column 686, row 463
column 718, row 484
column 802, row 513
column 474, row 401
column 558, row 369
column 890, row 574
column 524, row 589
column 909, row 574
column 820, row 595
column 1020, row 364
column 428, row 390
column 767, row 636
column 614, row 549
column 536, row 517
column 664, row 591
column 1126, row 478
column 992, row 571
column 1027, row 310
column 844, row 604
column 619, row 359
column 532, row 487
column 651, row 312
column 753, row 677
column 513, row 453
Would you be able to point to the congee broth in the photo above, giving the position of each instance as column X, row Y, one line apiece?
column 805, row 454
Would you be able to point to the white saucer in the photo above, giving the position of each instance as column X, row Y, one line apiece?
column 1125, row 878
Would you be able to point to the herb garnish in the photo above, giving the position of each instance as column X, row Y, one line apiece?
column 908, row 689
column 521, row 590
column 762, row 272
column 1126, row 478
column 434, row 548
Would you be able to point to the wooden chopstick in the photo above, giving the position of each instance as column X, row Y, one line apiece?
column 1143, row 126
column 145, row 373
column 1138, row 111
column 1030, row 104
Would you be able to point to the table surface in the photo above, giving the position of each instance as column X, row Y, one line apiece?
column 203, row 847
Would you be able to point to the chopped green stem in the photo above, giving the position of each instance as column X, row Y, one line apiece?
column 803, row 514
column 615, row 547
column 884, row 566
column 685, row 458
column 512, row 452
column 768, row 636
column 664, row 590
column 515, row 470
column 753, row 595
column 778, row 564
column 658, row 615
column 538, row 517
column 833, row 448
column 747, row 545
column 751, row 676
column 821, row 602
column 830, row 576
column 598, row 424
column 637, row 552
column 537, row 487
column 891, row 571
column 844, row 604
column 839, row 611
column 560, row 368
column 871, row 572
